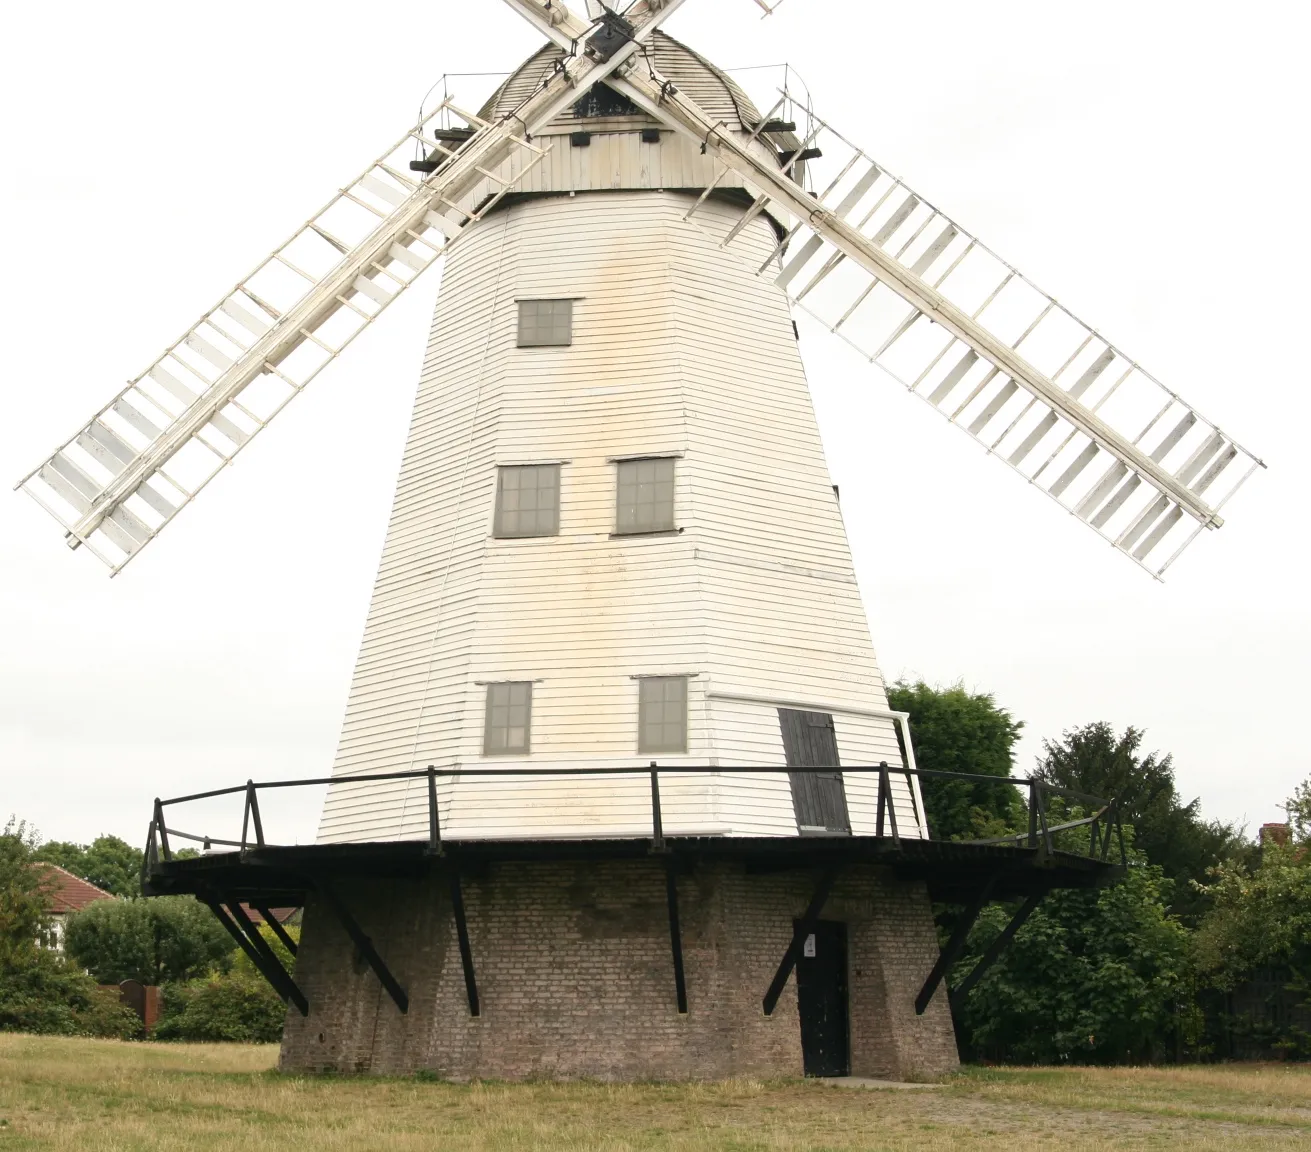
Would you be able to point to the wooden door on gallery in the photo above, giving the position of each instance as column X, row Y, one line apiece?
column 810, row 745
column 822, row 1001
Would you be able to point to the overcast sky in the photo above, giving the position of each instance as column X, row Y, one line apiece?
column 1144, row 162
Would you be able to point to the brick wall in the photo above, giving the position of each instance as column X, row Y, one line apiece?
column 575, row 976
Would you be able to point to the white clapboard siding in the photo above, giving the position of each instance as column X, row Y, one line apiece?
column 676, row 351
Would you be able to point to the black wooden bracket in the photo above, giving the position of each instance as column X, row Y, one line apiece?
column 269, row 967
column 278, row 930
column 256, row 938
column 951, row 953
column 675, row 934
column 365, row 946
column 466, row 950
column 804, row 927
column 996, row 948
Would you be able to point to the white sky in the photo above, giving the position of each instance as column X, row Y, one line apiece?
column 1136, row 159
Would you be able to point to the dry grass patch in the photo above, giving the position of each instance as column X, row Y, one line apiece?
column 99, row 1095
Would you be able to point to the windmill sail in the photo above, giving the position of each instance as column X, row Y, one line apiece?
column 149, row 451
column 927, row 302
column 154, row 446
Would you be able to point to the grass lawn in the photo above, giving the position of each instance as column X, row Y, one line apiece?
column 99, row 1095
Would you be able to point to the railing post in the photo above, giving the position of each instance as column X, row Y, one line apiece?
column 1041, row 805
column 150, row 856
column 892, row 807
column 163, row 832
column 883, row 798
column 252, row 806
column 1109, row 818
column 1033, row 812
column 657, row 818
column 921, row 818
column 434, row 820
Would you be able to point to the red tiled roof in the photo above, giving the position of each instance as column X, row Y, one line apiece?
column 281, row 915
column 69, row 893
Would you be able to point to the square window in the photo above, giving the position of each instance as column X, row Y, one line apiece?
column 662, row 714
column 527, row 501
column 545, row 323
column 509, row 718
column 645, row 495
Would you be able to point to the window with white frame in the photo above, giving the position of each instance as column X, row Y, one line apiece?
column 546, row 323
column 662, row 714
column 645, row 495
column 527, row 501
column 508, row 725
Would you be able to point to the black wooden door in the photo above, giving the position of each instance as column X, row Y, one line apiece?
column 818, row 798
column 822, row 1001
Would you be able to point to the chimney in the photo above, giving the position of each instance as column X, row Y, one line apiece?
column 1274, row 834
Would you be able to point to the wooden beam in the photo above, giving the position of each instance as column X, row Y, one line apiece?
column 996, row 948
column 804, row 927
column 272, row 971
column 675, row 935
column 365, row 946
column 466, row 951
column 955, row 945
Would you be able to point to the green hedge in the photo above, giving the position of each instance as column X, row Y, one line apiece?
column 42, row 992
column 237, row 1007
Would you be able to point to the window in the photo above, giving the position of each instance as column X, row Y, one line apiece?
column 528, row 501
column 645, row 496
column 602, row 100
column 662, row 714
column 545, row 322
column 509, row 718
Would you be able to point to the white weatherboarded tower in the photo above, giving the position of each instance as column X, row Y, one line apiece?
column 616, row 716
column 677, row 354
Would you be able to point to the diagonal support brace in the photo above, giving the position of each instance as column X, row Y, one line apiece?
column 278, row 930
column 675, row 935
column 803, row 929
column 951, row 953
column 996, row 948
column 365, row 947
column 466, row 949
column 267, row 966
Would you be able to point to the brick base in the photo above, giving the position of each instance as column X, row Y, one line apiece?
column 576, row 978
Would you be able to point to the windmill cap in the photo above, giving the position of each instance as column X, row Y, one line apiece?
column 713, row 90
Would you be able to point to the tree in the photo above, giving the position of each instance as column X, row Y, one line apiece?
column 23, row 916
column 1169, row 833
column 107, row 862
column 1092, row 977
column 40, row 991
column 954, row 730
column 1260, row 917
column 164, row 938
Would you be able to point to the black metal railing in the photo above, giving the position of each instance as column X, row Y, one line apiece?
column 1100, row 817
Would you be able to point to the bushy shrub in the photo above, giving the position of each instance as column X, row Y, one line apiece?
column 165, row 938
column 42, row 992
column 1092, row 977
column 237, row 1007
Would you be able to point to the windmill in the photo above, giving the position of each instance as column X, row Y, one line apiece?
column 614, row 544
